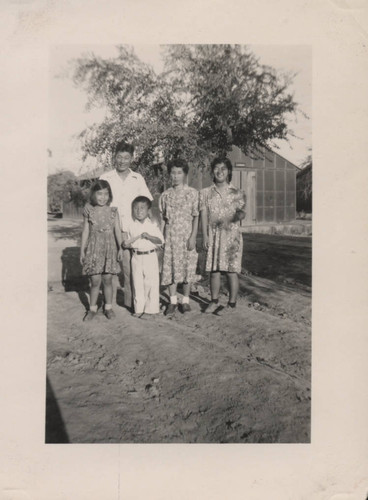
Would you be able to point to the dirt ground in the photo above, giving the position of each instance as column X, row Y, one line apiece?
column 237, row 378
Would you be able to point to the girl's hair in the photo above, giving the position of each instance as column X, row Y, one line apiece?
column 98, row 186
column 122, row 147
column 142, row 199
column 178, row 163
column 226, row 162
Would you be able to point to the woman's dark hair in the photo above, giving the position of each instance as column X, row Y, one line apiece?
column 97, row 186
column 226, row 162
column 142, row 199
column 178, row 163
column 123, row 146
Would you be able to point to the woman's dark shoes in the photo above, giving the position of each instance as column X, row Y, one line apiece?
column 226, row 310
column 212, row 306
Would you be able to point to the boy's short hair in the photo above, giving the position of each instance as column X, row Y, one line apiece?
column 142, row 199
column 123, row 146
column 178, row 163
column 98, row 186
column 226, row 162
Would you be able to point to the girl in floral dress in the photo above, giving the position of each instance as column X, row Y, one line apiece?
column 179, row 210
column 222, row 208
column 101, row 246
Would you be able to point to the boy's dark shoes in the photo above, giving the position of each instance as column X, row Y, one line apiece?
column 89, row 316
column 170, row 310
column 185, row 308
column 138, row 315
column 109, row 313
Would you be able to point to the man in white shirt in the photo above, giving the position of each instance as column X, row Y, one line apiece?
column 125, row 185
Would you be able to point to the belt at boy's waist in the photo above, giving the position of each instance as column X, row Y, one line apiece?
column 139, row 252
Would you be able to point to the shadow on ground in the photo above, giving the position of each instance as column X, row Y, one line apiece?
column 65, row 229
column 55, row 431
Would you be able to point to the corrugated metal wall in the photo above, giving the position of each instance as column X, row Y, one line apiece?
column 269, row 184
column 273, row 198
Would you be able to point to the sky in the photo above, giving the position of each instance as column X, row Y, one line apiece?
column 68, row 115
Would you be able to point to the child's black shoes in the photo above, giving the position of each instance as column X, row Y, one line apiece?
column 109, row 313
column 170, row 310
column 185, row 308
column 89, row 316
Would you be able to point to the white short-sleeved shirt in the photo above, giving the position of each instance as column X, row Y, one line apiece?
column 135, row 228
column 124, row 192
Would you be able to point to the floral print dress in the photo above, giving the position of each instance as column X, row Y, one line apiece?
column 102, row 250
column 225, row 239
column 178, row 207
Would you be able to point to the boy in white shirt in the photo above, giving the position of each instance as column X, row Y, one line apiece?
column 142, row 236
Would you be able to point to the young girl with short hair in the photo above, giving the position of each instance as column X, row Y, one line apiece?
column 179, row 210
column 100, row 246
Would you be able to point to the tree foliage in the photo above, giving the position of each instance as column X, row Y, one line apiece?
column 208, row 98
column 230, row 97
column 304, row 186
column 64, row 186
column 305, row 178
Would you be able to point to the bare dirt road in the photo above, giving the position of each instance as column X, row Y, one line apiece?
column 196, row 378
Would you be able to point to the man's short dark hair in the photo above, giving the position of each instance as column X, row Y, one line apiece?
column 123, row 146
column 142, row 199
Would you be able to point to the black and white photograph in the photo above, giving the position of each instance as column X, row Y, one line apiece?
column 179, row 232
column 183, row 311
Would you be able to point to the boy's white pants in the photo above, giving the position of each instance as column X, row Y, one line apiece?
column 146, row 283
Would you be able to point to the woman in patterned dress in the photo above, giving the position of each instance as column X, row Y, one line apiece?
column 101, row 246
column 222, row 207
column 179, row 210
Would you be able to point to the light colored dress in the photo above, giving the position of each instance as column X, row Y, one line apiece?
column 178, row 207
column 225, row 241
column 102, row 249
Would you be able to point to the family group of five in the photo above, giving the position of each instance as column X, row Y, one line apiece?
column 118, row 233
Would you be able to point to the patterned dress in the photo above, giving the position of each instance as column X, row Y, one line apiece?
column 225, row 240
column 102, row 250
column 178, row 207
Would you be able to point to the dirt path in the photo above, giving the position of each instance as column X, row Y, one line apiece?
column 244, row 377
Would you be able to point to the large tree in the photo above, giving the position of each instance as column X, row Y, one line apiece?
column 229, row 96
column 208, row 98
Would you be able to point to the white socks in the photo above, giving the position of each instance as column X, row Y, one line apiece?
column 93, row 309
column 174, row 300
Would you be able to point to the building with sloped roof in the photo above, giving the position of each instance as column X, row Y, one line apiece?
column 269, row 182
